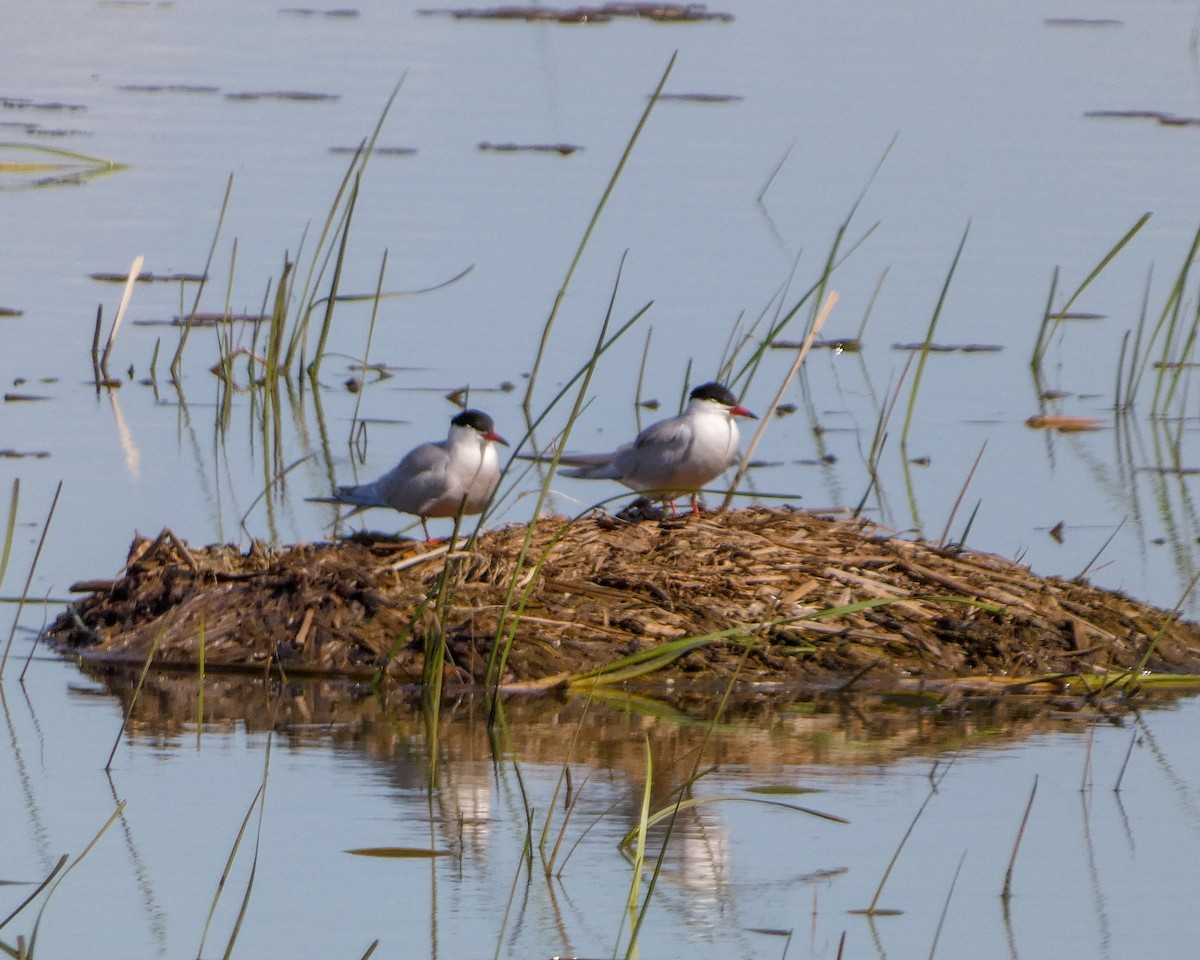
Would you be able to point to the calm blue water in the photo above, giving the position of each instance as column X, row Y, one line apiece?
column 984, row 111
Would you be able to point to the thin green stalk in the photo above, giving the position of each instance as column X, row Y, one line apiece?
column 818, row 323
column 63, row 875
column 186, row 322
column 37, row 553
column 587, row 234
column 1043, row 342
column 137, row 690
column 14, row 498
column 337, row 214
column 933, row 321
column 314, row 367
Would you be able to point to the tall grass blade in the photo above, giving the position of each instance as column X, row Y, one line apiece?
column 924, row 355
column 1044, row 341
column 28, row 582
column 527, row 403
column 186, row 322
column 822, row 315
column 63, row 874
column 261, row 798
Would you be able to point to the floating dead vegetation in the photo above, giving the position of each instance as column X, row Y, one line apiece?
column 950, row 347
column 11, row 312
column 293, row 96
column 1162, row 117
column 10, row 454
column 345, row 13
column 766, row 597
column 1082, row 22
column 840, row 345
column 147, row 277
column 604, row 13
column 21, row 103
column 205, row 320
column 23, row 397
column 1064, row 424
column 189, row 88
column 29, row 165
column 702, row 97
column 377, row 151
column 563, row 149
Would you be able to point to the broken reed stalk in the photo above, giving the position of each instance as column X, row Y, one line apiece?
column 137, row 689
column 10, row 526
column 924, row 355
column 1052, row 321
column 37, row 553
column 526, row 403
column 937, row 933
column 1006, row 891
column 872, row 909
column 831, row 300
column 97, row 376
column 186, row 321
column 126, row 295
column 961, row 493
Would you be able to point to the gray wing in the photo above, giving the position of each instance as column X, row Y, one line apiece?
column 414, row 483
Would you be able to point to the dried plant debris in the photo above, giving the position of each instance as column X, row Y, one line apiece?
column 148, row 277
column 23, row 397
column 340, row 12
column 21, row 103
column 168, row 88
column 206, row 320
column 11, row 312
column 1166, row 119
column 760, row 596
column 950, row 347
column 702, row 97
column 563, row 149
column 378, row 151
column 1064, row 424
column 1082, row 22
column 604, row 13
column 297, row 96
column 9, row 454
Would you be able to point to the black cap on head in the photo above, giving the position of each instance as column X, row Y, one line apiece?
column 714, row 391
column 476, row 420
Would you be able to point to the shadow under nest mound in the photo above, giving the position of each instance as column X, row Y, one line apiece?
column 801, row 600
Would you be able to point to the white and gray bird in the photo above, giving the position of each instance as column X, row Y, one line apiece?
column 439, row 478
column 675, row 456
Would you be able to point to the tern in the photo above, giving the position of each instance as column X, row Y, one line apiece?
column 439, row 478
column 675, row 456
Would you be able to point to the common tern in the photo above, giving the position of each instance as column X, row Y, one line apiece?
column 675, row 456
column 439, row 478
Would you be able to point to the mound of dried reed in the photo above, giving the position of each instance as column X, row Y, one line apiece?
column 794, row 598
